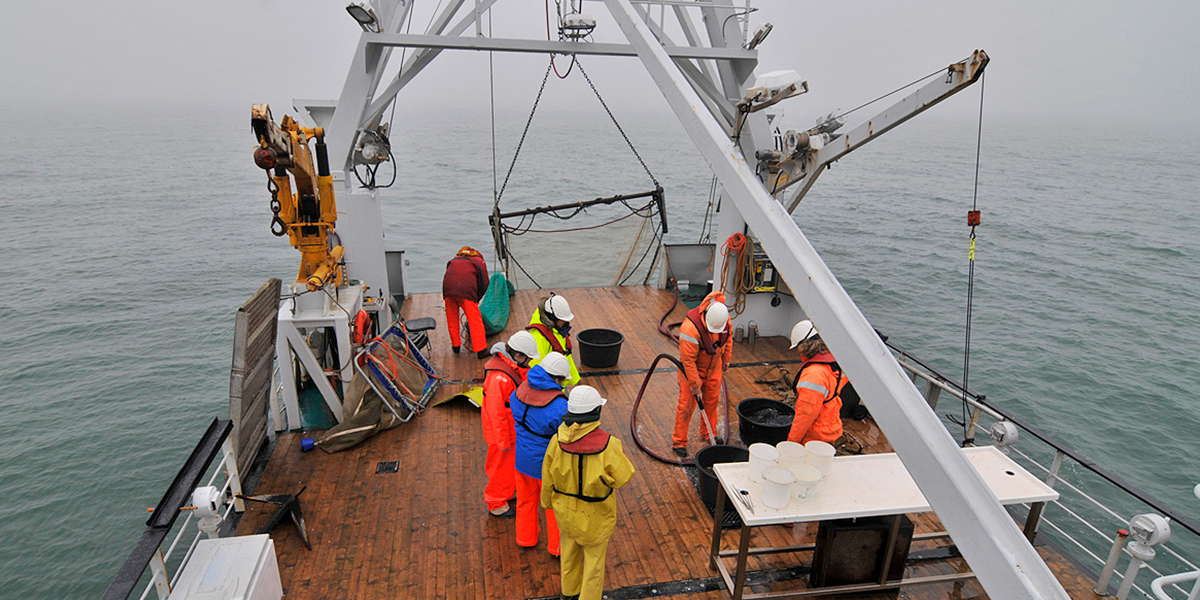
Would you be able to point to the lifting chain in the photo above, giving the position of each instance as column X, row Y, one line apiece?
column 614, row 120
column 278, row 227
column 524, row 133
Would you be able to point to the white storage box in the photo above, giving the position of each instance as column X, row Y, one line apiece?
column 235, row 568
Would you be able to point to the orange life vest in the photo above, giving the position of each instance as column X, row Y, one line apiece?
column 696, row 316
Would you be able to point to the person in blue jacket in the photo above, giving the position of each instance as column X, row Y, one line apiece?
column 538, row 406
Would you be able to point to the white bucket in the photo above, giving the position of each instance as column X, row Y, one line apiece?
column 807, row 477
column 761, row 457
column 777, row 487
column 790, row 453
column 820, row 455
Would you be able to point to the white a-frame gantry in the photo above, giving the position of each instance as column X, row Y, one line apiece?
column 702, row 84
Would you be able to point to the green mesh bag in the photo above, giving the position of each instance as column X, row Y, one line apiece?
column 494, row 305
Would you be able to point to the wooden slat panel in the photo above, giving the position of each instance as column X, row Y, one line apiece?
column 250, row 375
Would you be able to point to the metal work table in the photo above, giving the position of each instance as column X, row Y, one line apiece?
column 859, row 486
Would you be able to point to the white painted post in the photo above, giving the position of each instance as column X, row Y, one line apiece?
column 158, row 575
column 283, row 357
column 231, row 471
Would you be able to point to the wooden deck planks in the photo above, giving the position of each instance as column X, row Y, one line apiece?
column 424, row 532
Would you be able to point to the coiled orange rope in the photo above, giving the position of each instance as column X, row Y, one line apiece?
column 737, row 274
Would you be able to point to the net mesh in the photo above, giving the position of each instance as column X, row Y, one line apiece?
column 577, row 253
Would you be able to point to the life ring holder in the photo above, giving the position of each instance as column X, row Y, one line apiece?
column 362, row 322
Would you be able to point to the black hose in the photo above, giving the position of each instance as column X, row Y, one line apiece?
column 633, row 429
column 667, row 329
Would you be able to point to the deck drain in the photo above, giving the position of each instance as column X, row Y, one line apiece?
column 388, row 467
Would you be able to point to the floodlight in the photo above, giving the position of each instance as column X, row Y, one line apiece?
column 1150, row 529
column 365, row 16
column 759, row 36
column 1003, row 434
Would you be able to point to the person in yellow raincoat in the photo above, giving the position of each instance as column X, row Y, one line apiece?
column 583, row 467
column 551, row 327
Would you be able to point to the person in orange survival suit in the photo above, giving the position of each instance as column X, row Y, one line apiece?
column 463, row 286
column 503, row 372
column 818, row 387
column 705, row 351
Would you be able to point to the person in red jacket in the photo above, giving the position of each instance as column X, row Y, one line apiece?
column 463, row 286
column 502, row 373
column 818, row 388
column 705, row 351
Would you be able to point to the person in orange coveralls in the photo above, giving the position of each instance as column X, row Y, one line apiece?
column 818, row 387
column 463, row 286
column 705, row 351
column 503, row 372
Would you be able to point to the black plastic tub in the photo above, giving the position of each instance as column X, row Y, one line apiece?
column 763, row 420
column 600, row 348
column 705, row 459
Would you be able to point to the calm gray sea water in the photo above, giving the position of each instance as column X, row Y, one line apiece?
column 129, row 241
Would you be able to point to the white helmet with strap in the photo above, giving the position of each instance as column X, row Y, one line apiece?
column 584, row 398
column 803, row 331
column 716, row 317
column 556, row 365
column 523, row 342
column 557, row 307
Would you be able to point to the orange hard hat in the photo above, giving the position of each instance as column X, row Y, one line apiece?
column 468, row 251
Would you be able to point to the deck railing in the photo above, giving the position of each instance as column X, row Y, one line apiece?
column 149, row 565
column 1093, row 504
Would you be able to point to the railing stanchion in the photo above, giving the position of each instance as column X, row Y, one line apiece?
column 158, row 574
column 975, row 414
column 1111, row 564
column 1055, row 467
column 235, row 478
column 932, row 392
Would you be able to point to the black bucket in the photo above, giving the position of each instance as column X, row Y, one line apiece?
column 762, row 420
column 600, row 348
column 705, row 459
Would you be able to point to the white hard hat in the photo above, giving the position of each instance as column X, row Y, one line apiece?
column 584, row 398
column 523, row 342
column 557, row 307
column 716, row 317
column 557, row 365
column 803, row 331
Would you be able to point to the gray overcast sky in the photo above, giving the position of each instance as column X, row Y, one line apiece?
column 1072, row 59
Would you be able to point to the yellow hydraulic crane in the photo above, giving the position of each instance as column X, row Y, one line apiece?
column 308, row 214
